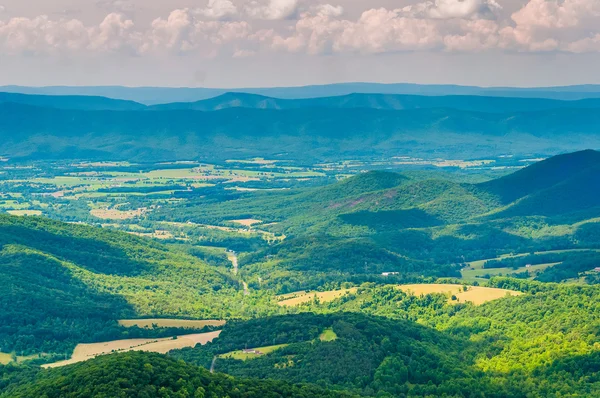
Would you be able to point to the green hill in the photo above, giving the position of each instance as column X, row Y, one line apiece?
column 381, row 101
column 78, row 102
column 63, row 284
column 542, row 175
column 139, row 374
column 306, row 134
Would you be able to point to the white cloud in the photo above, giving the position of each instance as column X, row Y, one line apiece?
column 2, row 9
column 181, row 32
column 272, row 9
column 446, row 9
column 220, row 29
column 219, row 9
column 329, row 10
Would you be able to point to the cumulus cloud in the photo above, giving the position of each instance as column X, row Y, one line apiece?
column 445, row 9
column 219, row 9
column 272, row 9
column 549, row 25
column 181, row 32
column 222, row 28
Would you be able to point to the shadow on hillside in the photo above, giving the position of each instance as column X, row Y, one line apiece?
column 91, row 252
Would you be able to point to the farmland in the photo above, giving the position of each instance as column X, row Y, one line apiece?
column 459, row 293
column 84, row 352
column 306, row 297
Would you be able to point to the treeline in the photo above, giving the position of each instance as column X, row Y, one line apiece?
column 138, row 374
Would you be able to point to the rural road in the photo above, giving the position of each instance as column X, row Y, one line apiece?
column 234, row 260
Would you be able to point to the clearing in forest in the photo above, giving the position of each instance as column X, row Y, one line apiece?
column 474, row 294
column 328, row 335
column 169, row 323
column 247, row 222
column 84, row 352
column 323, row 297
column 252, row 353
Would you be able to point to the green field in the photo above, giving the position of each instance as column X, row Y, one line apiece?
column 244, row 355
column 328, row 335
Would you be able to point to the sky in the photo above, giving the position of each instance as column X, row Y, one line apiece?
column 261, row 43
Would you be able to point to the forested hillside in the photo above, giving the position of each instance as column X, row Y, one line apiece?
column 64, row 284
column 144, row 375
column 382, row 222
column 35, row 132
column 500, row 349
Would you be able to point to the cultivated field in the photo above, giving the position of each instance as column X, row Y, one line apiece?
column 169, row 323
column 23, row 213
column 474, row 294
column 83, row 352
column 324, row 297
column 114, row 214
column 248, row 222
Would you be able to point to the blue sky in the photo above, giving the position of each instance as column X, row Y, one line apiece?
column 244, row 43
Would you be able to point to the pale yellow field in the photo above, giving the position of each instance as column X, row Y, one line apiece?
column 114, row 214
column 5, row 359
column 84, row 352
column 169, row 323
column 248, row 222
column 475, row 294
column 22, row 213
column 323, row 297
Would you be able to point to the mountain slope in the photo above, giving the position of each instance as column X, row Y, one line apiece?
column 382, row 101
column 542, row 175
column 161, row 95
column 302, row 134
column 80, row 102
column 63, row 284
column 139, row 374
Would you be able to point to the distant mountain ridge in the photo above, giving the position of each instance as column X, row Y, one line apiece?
column 350, row 101
column 308, row 134
column 382, row 101
column 161, row 95
column 75, row 102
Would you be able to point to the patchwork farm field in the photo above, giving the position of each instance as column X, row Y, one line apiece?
column 306, row 297
column 474, row 294
column 84, row 352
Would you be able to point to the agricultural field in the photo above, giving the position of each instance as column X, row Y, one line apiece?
column 306, row 297
column 170, row 323
column 84, row 352
column 460, row 293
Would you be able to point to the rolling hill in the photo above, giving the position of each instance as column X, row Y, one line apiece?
column 383, row 101
column 161, row 95
column 382, row 222
column 305, row 134
column 63, row 284
column 78, row 102
column 139, row 374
